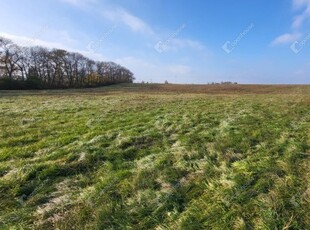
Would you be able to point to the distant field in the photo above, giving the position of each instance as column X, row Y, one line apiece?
column 156, row 157
column 172, row 88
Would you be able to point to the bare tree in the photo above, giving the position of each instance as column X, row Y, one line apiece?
column 57, row 68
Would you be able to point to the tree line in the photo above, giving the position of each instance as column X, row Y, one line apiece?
column 41, row 68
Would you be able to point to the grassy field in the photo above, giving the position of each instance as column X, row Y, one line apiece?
column 156, row 157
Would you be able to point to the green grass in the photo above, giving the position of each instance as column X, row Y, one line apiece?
column 125, row 158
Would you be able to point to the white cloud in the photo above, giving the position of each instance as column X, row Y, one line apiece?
column 300, row 19
column 120, row 15
column 286, row 38
column 297, row 4
column 116, row 15
column 62, row 36
column 30, row 42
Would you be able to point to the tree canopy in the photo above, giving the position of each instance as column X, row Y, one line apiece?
column 38, row 67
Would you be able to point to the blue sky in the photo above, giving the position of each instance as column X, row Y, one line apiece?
column 258, row 41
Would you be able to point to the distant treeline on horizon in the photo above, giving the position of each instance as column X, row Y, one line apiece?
column 41, row 68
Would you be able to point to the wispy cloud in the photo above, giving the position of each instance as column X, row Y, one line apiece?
column 115, row 14
column 31, row 42
column 286, row 38
column 299, row 3
column 298, row 21
column 303, row 5
column 120, row 15
column 28, row 41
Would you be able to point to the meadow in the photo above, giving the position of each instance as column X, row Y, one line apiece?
column 156, row 157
